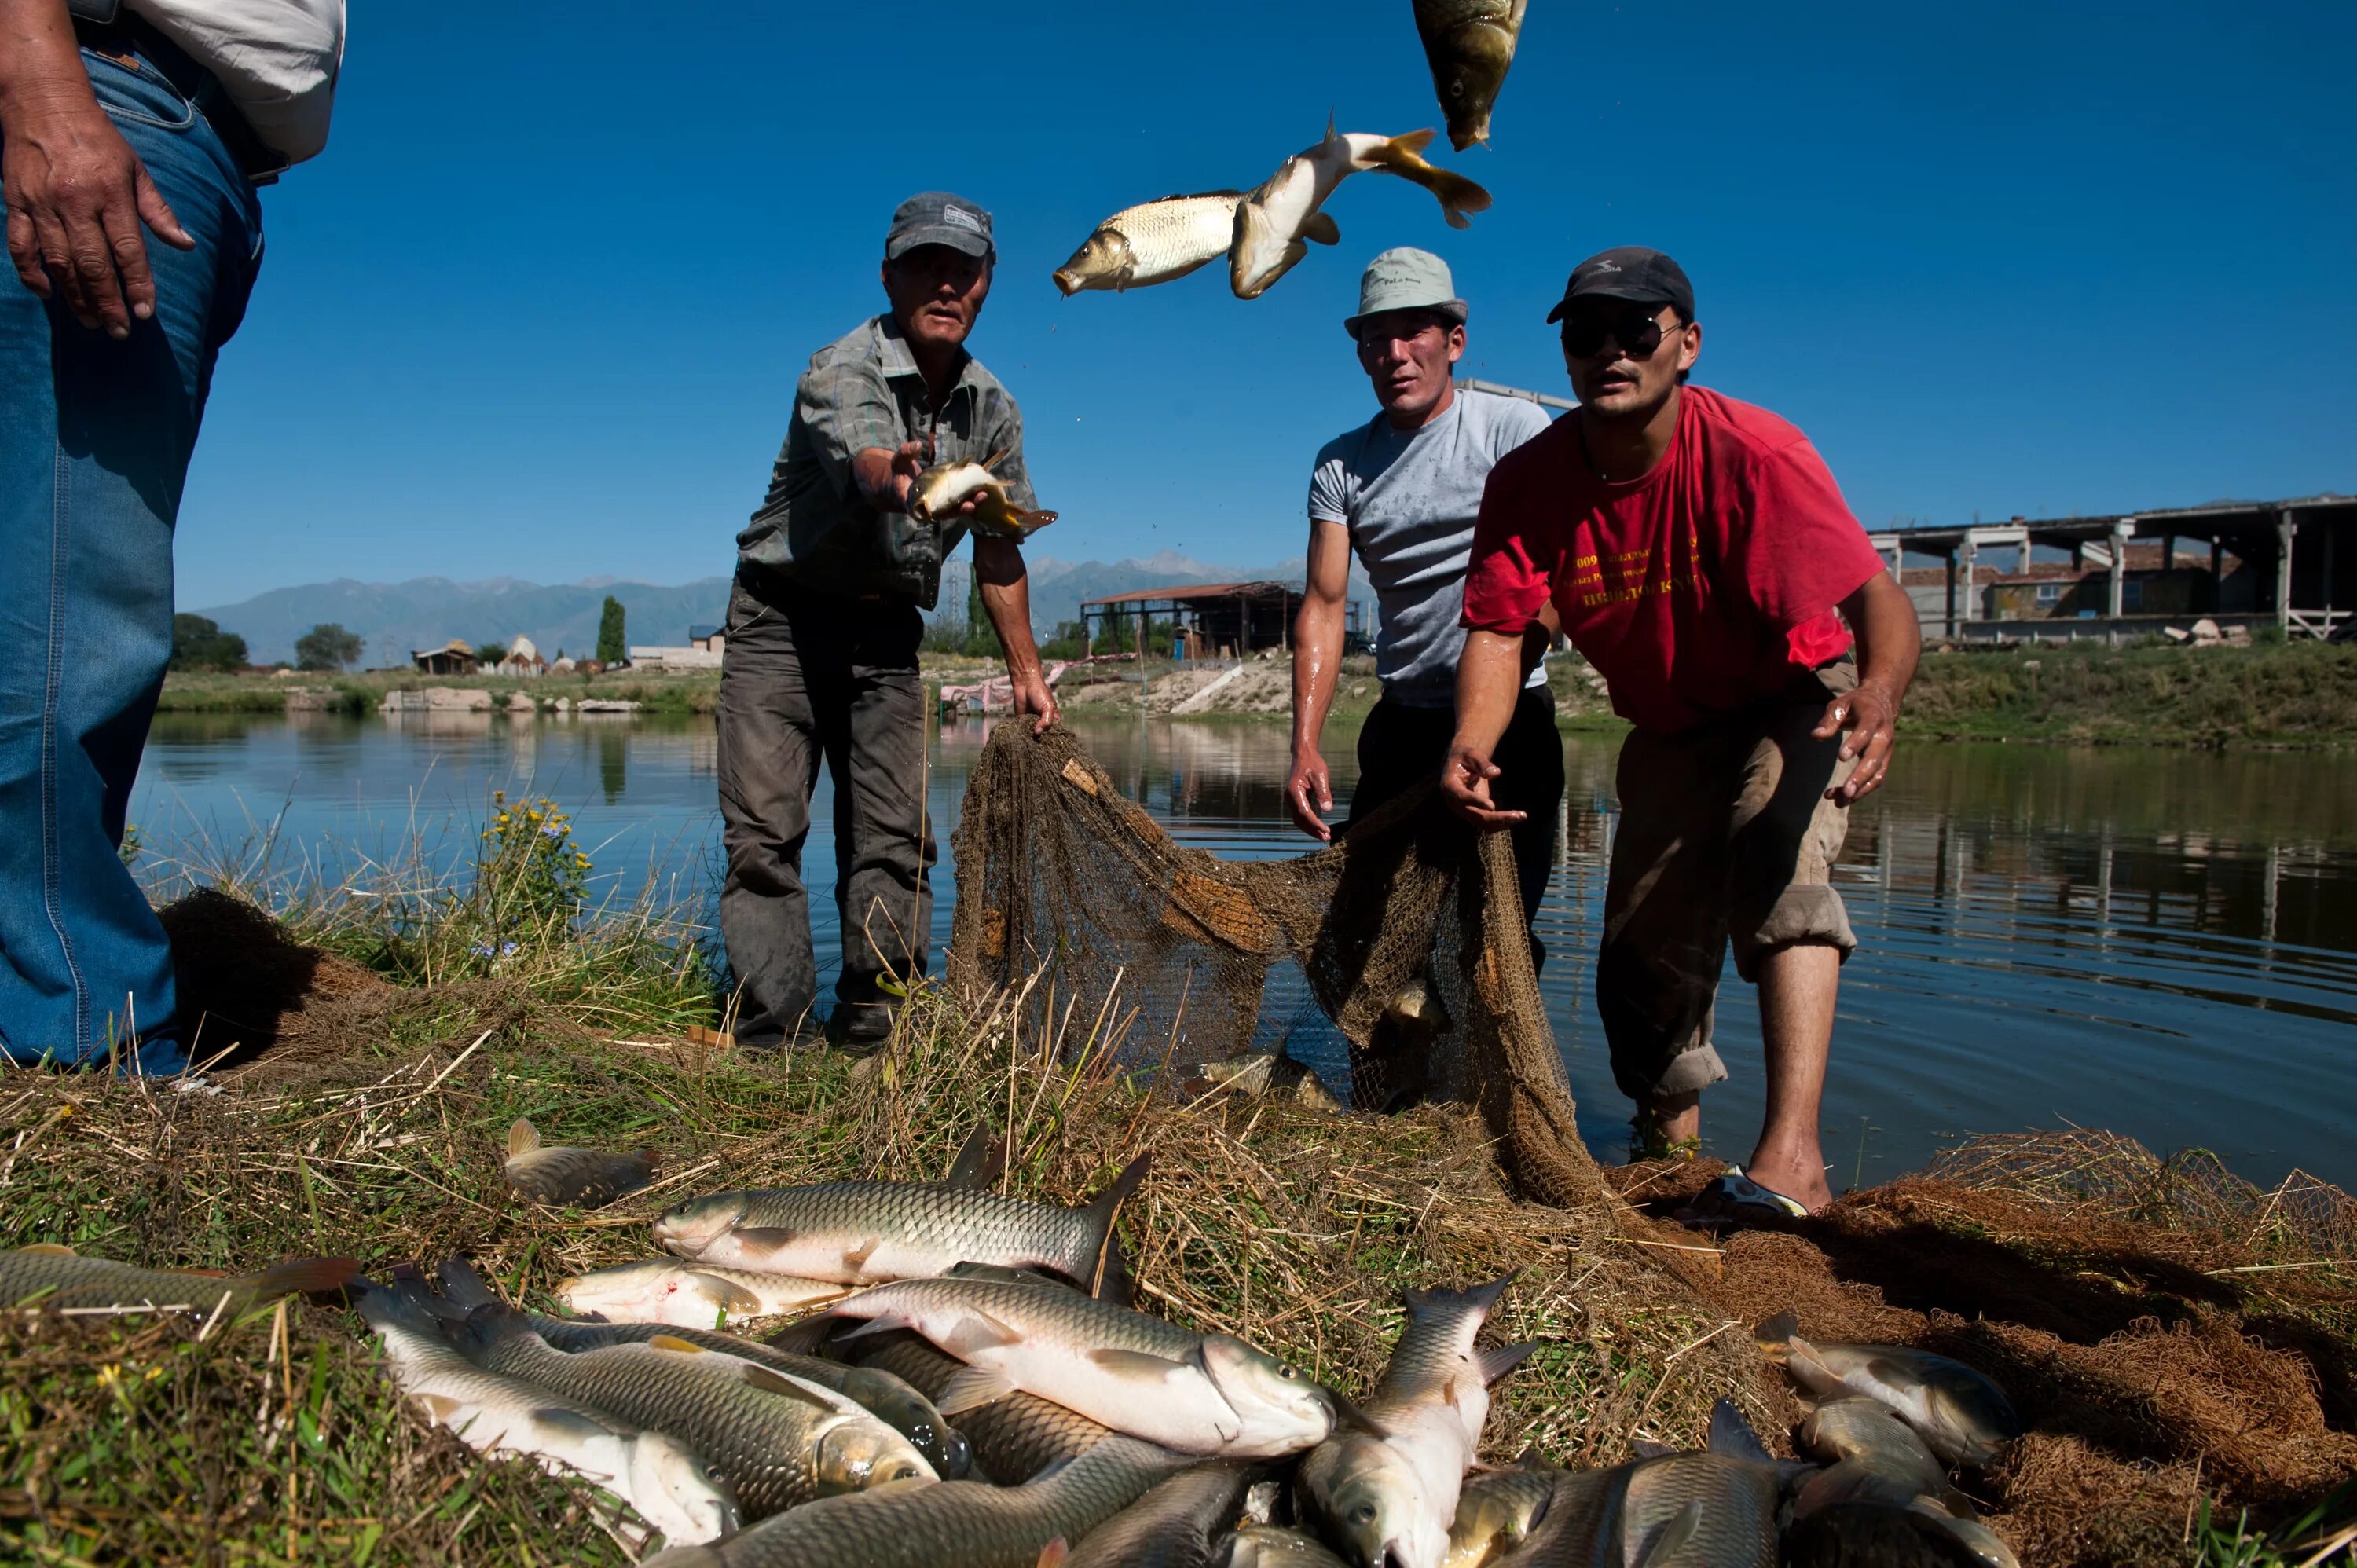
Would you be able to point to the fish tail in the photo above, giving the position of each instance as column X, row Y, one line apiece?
column 486, row 1326
column 1404, row 156
column 1480, row 1300
column 404, row 1301
column 309, row 1276
column 1776, row 1335
column 1104, row 1272
column 981, row 1159
column 1497, row 1363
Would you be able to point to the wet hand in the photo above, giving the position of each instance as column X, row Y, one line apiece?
column 1032, row 695
column 1465, row 785
column 1870, row 718
column 908, row 462
column 75, row 195
column 1310, row 792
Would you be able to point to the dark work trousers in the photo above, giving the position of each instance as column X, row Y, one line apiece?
column 808, row 673
column 1401, row 746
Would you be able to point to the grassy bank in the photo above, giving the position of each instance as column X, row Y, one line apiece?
column 688, row 692
column 2301, row 693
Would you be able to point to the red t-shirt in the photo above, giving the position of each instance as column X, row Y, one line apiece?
column 1695, row 590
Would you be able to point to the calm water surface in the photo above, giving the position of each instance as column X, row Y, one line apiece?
column 2160, row 942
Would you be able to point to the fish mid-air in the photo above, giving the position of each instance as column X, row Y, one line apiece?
column 1152, row 243
column 1469, row 44
column 941, row 490
column 1284, row 210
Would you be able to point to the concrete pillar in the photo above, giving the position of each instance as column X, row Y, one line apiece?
column 1969, row 553
column 2284, row 529
column 2119, row 584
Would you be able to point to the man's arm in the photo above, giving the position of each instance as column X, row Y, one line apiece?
column 1007, row 600
column 74, row 190
column 1317, row 663
column 1490, row 674
column 1889, row 641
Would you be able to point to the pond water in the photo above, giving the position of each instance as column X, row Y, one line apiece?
column 2159, row 942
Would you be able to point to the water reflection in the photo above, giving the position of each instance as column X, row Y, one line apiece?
column 2161, row 942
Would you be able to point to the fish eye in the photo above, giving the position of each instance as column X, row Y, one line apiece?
column 1288, row 1374
column 1364, row 1514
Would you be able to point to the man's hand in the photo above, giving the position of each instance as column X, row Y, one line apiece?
column 908, row 462
column 75, row 195
column 1465, row 785
column 1870, row 715
column 1033, row 696
column 1310, row 791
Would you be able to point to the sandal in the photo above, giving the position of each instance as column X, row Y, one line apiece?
column 1734, row 1201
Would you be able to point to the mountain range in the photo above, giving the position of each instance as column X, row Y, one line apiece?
column 393, row 619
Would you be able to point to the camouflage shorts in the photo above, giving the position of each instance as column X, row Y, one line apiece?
column 1724, row 837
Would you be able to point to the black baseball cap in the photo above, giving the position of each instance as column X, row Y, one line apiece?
column 937, row 218
column 1629, row 272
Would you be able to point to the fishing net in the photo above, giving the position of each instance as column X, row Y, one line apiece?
column 1407, row 935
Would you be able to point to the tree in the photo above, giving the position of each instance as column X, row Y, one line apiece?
column 200, row 643
column 491, row 653
column 327, row 645
column 612, row 647
column 981, row 636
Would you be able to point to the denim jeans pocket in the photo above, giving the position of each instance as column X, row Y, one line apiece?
column 137, row 92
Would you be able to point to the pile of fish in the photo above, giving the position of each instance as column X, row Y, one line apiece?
column 969, row 1384
column 1263, row 231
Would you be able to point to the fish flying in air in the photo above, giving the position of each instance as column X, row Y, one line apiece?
column 1152, row 243
column 1283, row 209
column 1469, row 44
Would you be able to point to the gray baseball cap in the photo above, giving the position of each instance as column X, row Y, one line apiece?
column 937, row 218
column 1406, row 279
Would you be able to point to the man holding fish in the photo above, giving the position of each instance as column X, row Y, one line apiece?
column 1699, row 554
column 901, row 442
column 1402, row 491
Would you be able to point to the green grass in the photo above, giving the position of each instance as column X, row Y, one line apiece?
column 2301, row 693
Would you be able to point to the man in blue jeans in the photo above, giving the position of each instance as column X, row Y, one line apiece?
column 121, row 125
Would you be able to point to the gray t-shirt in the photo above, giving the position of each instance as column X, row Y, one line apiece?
column 1409, row 498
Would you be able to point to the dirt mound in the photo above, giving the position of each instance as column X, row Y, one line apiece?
column 2166, row 1332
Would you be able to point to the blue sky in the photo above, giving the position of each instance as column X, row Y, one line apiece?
column 539, row 309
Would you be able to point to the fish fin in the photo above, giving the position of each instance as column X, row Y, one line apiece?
column 1458, row 195
column 882, row 1323
column 306, row 1276
column 1495, row 1364
column 490, row 1324
column 1323, row 228
column 1675, row 1537
column 970, row 1390
column 767, row 1238
column 1135, row 1363
column 1348, row 1417
column 440, row 1409
column 981, row 1160
column 977, row 1331
column 726, row 1294
column 1529, row 1458
column 855, row 1258
column 674, row 1343
column 402, row 1303
column 1188, row 196
column 1103, row 1270
column 775, row 1382
column 1646, row 1448
column 806, row 1337
column 1053, row 1555
column 1776, row 1335
column 996, row 458
column 48, row 1249
column 462, row 1286
column 1731, row 1435
column 576, row 1423
column 523, row 1137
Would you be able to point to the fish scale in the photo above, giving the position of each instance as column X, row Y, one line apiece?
column 763, row 1444
column 53, row 1278
column 969, row 1523
column 1014, row 1438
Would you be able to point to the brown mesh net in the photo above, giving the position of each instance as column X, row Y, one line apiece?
column 1407, row 934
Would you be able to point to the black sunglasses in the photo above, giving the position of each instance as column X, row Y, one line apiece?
column 1635, row 328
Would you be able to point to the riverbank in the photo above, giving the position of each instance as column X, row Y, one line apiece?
column 2178, row 1343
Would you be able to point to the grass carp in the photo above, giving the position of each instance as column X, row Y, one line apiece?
column 1197, row 1393
column 1390, row 1500
column 941, row 490
column 899, row 1406
column 1470, row 45
column 48, row 1277
column 1268, row 1546
column 969, row 1523
column 1152, row 243
column 1272, row 221
column 776, row 1440
column 1497, row 1510
column 868, row 1233
column 667, row 1483
column 1266, row 1073
column 1184, row 1522
column 1960, row 1415
column 1013, row 1438
column 561, row 1175
column 1871, row 1454
column 691, row 1295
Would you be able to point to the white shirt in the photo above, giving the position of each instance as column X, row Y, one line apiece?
column 277, row 61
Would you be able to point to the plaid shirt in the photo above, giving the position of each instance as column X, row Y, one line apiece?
column 863, row 389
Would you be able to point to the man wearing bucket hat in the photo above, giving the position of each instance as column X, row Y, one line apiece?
column 1401, row 491
column 822, row 629
column 1698, row 554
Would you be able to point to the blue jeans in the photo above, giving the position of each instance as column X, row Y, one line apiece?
column 95, row 437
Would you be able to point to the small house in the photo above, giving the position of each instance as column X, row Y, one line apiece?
column 712, row 640
column 453, row 658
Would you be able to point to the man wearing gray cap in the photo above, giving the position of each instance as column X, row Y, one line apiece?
column 1402, row 491
column 822, row 629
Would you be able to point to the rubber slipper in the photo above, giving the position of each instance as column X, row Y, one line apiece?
column 1735, row 1201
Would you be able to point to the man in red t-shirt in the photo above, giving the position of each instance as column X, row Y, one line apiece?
column 1697, row 551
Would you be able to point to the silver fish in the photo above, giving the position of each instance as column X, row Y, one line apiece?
column 778, row 1441
column 691, row 1295
column 1283, row 209
column 1266, row 1073
column 866, row 1232
column 561, row 1175
column 666, row 1481
column 969, row 1523
column 48, row 1277
column 1197, row 1393
column 1871, row 1454
column 1267, row 1546
column 1470, row 45
column 1014, row 1438
column 1960, row 1415
column 1152, row 243
column 941, row 490
column 899, row 1406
